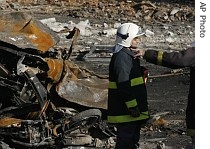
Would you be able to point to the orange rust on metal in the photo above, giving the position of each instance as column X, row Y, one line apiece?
column 33, row 115
column 55, row 69
column 54, row 130
column 9, row 121
column 72, row 70
column 75, row 71
column 17, row 23
column 40, row 38
column 38, row 114
column 8, row 25
column 44, row 107
column 160, row 122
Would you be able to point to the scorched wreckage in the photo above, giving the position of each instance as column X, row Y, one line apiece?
column 34, row 78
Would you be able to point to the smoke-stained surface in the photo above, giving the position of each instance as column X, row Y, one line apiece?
column 168, row 25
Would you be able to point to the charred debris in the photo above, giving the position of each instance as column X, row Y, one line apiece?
column 35, row 80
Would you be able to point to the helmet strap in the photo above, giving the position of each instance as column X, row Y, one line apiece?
column 123, row 36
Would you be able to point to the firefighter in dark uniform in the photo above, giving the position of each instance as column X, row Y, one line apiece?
column 184, row 58
column 127, row 94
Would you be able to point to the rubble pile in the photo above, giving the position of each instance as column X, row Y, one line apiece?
column 107, row 10
column 168, row 25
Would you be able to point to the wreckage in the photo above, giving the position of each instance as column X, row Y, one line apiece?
column 33, row 78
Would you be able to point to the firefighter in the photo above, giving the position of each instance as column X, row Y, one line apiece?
column 127, row 94
column 184, row 58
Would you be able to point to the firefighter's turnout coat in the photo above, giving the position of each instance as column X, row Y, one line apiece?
column 184, row 58
column 126, row 88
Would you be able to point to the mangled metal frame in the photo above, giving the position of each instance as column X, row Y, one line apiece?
column 29, row 77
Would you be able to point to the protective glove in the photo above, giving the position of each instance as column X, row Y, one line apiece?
column 134, row 111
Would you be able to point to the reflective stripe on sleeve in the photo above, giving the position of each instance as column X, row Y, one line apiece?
column 137, row 81
column 134, row 82
column 160, row 57
column 112, row 85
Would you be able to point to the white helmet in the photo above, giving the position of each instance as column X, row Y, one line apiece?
column 126, row 32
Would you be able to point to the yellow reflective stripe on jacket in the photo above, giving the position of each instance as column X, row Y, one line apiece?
column 134, row 82
column 137, row 81
column 191, row 132
column 160, row 57
column 131, row 103
column 127, row 118
column 112, row 85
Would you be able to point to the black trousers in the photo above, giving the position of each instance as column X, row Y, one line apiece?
column 128, row 135
column 190, row 113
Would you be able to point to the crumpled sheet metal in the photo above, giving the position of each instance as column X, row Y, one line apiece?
column 7, row 121
column 55, row 69
column 90, row 92
column 24, row 31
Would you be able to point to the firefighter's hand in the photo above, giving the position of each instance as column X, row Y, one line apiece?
column 134, row 111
